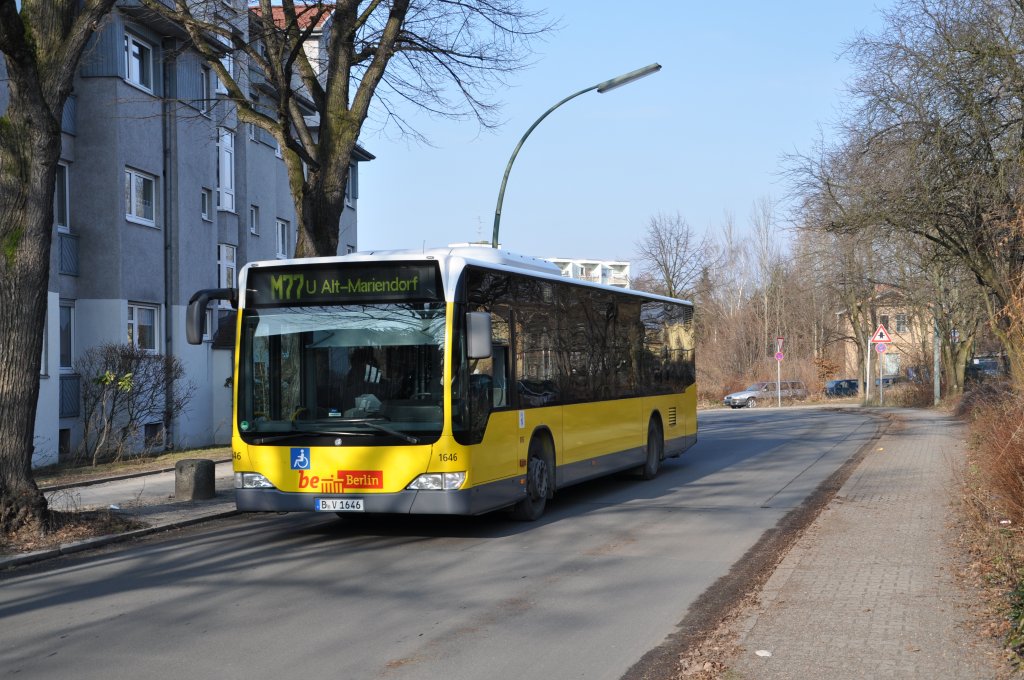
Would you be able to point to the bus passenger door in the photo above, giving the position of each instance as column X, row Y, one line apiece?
column 496, row 456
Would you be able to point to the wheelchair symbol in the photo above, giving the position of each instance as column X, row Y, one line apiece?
column 300, row 459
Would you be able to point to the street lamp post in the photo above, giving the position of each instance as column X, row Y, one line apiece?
column 601, row 88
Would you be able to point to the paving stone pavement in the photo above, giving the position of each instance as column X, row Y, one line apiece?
column 870, row 591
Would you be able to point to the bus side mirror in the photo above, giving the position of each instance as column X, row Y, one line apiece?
column 478, row 335
column 195, row 314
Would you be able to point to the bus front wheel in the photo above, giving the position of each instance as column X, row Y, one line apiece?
column 538, row 483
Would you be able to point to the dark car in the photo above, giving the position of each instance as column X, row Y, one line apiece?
column 848, row 387
column 890, row 380
column 985, row 367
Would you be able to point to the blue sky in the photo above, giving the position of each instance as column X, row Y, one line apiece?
column 742, row 84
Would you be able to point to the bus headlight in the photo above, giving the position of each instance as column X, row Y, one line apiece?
column 251, row 480
column 438, row 481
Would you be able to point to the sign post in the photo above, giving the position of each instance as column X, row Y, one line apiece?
column 881, row 339
column 881, row 349
column 778, row 368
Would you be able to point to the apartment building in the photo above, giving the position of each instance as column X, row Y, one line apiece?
column 160, row 192
column 608, row 272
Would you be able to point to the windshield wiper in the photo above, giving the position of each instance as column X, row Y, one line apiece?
column 375, row 424
column 300, row 433
column 338, row 433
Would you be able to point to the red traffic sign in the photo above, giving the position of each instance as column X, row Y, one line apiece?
column 881, row 335
column 779, row 356
column 881, row 347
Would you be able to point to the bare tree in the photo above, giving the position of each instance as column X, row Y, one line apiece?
column 445, row 57
column 939, row 135
column 735, row 260
column 768, row 258
column 41, row 44
column 672, row 258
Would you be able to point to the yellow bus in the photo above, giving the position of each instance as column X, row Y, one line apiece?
column 449, row 381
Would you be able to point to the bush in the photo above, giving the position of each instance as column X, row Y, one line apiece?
column 910, row 394
column 997, row 430
column 125, row 388
column 994, row 498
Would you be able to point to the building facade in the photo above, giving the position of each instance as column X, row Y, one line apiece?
column 907, row 355
column 160, row 192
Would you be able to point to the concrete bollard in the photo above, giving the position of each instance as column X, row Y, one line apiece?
column 193, row 480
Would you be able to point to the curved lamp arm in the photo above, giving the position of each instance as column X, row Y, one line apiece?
column 601, row 88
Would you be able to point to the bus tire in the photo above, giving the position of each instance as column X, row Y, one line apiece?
column 539, row 473
column 655, row 450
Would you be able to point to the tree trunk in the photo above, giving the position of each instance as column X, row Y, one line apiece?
column 321, row 206
column 29, row 151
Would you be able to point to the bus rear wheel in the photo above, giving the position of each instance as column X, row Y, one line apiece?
column 655, row 451
column 538, row 483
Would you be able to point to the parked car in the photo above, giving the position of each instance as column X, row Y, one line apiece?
column 791, row 389
column 848, row 387
column 985, row 367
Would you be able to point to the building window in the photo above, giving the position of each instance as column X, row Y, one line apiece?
column 206, row 99
column 901, row 323
column 142, row 327
column 884, row 320
column 153, row 434
column 205, row 202
column 67, row 336
column 60, row 199
column 350, row 183
column 139, row 190
column 250, row 128
column 226, row 268
column 254, row 220
column 283, row 239
column 227, row 61
column 138, row 62
column 44, row 360
column 225, row 170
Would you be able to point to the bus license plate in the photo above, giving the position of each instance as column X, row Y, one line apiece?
column 338, row 505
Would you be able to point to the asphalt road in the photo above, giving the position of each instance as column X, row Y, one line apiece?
column 606, row 576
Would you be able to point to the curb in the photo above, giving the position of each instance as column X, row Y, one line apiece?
column 115, row 478
column 100, row 541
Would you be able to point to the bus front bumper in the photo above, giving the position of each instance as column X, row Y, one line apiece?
column 474, row 501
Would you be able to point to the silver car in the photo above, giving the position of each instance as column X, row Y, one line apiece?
column 790, row 389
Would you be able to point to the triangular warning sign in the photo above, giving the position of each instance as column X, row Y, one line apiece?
column 881, row 335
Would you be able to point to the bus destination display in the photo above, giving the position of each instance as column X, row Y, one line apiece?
column 340, row 284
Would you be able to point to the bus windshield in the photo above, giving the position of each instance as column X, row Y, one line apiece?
column 368, row 373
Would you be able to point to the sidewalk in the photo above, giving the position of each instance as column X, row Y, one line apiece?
column 870, row 590
column 148, row 498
